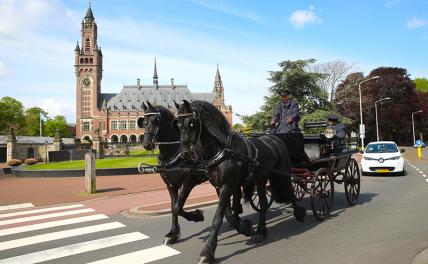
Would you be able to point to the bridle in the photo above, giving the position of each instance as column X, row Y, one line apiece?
column 194, row 139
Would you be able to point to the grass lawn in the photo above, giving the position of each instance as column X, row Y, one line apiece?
column 100, row 163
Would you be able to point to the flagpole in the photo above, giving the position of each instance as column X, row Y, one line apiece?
column 40, row 118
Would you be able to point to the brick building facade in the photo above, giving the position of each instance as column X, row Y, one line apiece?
column 115, row 115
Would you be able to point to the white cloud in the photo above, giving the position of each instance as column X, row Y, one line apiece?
column 3, row 69
column 391, row 3
column 300, row 18
column 226, row 8
column 416, row 22
column 55, row 107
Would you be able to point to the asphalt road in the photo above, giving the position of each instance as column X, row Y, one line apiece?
column 389, row 225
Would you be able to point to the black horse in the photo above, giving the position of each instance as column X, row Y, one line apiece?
column 157, row 124
column 232, row 162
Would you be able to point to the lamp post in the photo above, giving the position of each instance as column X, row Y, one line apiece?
column 413, row 125
column 46, row 151
column 362, row 128
column 377, row 126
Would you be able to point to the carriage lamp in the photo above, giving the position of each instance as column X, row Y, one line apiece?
column 329, row 132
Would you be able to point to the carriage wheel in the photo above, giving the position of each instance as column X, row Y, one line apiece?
column 322, row 194
column 299, row 191
column 352, row 182
column 255, row 201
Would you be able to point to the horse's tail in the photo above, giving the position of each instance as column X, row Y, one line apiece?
column 282, row 189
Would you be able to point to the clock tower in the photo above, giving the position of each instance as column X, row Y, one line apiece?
column 88, row 69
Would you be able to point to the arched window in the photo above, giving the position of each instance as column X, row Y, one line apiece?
column 114, row 138
column 82, row 60
column 87, row 138
column 140, row 138
column 91, row 61
column 87, row 45
column 124, row 138
column 86, row 60
column 132, row 138
column 30, row 153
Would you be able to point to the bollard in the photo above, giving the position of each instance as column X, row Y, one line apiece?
column 419, row 152
column 90, row 173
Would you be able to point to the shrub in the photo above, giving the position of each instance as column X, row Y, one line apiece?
column 14, row 162
column 31, row 161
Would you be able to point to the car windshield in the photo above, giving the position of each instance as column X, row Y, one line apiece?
column 382, row 148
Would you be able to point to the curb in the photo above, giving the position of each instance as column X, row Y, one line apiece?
column 140, row 212
column 421, row 257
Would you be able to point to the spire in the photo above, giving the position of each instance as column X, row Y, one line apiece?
column 155, row 72
column 77, row 49
column 89, row 13
column 155, row 77
column 217, row 75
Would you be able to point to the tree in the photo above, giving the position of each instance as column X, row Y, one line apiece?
column 421, row 84
column 332, row 73
column 32, row 121
column 302, row 85
column 11, row 114
column 58, row 122
column 394, row 116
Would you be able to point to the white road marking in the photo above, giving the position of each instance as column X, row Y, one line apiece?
column 424, row 175
column 142, row 256
column 39, row 217
column 421, row 172
column 22, row 229
column 426, row 180
column 20, row 242
column 16, row 206
column 74, row 249
column 43, row 210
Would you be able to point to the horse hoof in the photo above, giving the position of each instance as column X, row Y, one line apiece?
column 206, row 260
column 198, row 215
column 168, row 240
column 258, row 237
column 246, row 227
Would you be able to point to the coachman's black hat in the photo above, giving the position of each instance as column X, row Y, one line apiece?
column 333, row 117
column 285, row 93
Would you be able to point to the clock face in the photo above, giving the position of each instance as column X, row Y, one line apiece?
column 86, row 82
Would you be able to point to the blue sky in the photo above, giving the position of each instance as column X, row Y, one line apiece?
column 189, row 37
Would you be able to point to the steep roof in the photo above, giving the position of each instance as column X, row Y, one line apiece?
column 131, row 99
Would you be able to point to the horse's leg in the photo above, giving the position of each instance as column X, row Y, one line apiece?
column 244, row 227
column 207, row 254
column 195, row 215
column 261, row 231
column 174, row 233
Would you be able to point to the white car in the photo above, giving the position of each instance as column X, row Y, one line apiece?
column 382, row 157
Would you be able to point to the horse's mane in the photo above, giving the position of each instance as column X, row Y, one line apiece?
column 212, row 117
column 164, row 110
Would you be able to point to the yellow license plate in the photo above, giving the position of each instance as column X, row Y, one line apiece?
column 382, row 170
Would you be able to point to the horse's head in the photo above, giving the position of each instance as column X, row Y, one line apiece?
column 189, row 124
column 151, row 124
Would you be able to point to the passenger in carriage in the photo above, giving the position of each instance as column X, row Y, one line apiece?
column 285, row 124
column 333, row 122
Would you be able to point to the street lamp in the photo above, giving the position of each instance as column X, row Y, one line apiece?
column 413, row 125
column 375, row 104
column 362, row 128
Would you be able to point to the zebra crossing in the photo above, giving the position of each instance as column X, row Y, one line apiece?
column 72, row 234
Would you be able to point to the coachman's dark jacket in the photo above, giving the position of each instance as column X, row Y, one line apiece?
column 280, row 116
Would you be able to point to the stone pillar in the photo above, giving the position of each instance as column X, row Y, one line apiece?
column 57, row 141
column 11, row 145
column 90, row 173
column 97, row 145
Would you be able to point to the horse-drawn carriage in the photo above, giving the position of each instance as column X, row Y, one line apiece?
column 331, row 162
column 197, row 145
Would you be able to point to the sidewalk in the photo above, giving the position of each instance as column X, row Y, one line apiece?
column 118, row 193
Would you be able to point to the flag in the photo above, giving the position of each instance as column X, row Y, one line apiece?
column 43, row 117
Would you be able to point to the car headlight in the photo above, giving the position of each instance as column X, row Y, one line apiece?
column 395, row 158
column 368, row 158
